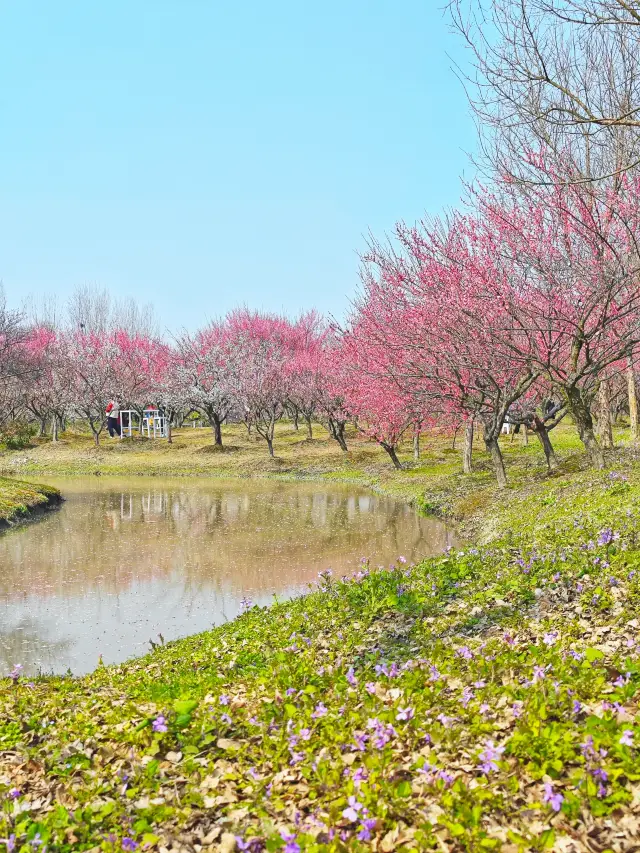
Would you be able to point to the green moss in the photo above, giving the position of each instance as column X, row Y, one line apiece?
column 18, row 499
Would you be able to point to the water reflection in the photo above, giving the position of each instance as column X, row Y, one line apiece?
column 124, row 560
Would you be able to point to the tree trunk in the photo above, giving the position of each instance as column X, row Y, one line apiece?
column 498, row 463
column 54, row 428
column 336, row 431
column 270, row 446
column 604, row 415
column 296, row 425
column 309, row 428
column 43, row 426
column 467, row 452
column 525, row 435
column 416, row 444
column 216, row 424
column 393, row 455
column 543, row 435
column 581, row 414
column 633, row 401
column 169, row 432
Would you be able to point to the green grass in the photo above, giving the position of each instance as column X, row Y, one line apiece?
column 483, row 700
column 19, row 500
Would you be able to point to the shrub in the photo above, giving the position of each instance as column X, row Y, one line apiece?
column 16, row 435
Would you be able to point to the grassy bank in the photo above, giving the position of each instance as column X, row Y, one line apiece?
column 20, row 501
column 483, row 700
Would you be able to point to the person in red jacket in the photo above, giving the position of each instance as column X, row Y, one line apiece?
column 113, row 419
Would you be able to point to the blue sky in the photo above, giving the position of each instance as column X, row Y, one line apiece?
column 200, row 154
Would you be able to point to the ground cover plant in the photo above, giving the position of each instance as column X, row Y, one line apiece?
column 486, row 699
column 19, row 500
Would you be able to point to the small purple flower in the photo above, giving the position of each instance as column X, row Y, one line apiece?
column 489, row 757
column 224, row 699
column 226, row 719
column 538, row 673
column 365, row 828
column 554, row 800
column 627, row 737
column 550, row 638
column 10, row 842
column 464, row 652
column 577, row 707
column 516, row 709
column 159, row 724
column 622, row 680
column 404, row 714
column 320, row 711
column 16, row 672
column 246, row 604
column 353, row 681
column 128, row 844
column 351, row 812
column 14, row 793
column 291, row 845
column 606, row 536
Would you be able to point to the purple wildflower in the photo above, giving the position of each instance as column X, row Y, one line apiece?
column 464, row 652
column 365, row 828
column 291, row 845
column 159, row 724
column 404, row 714
column 550, row 638
column 226, row 719
column 224, row 699
column 128, row 843
column 606, row 536
column 489, row 757
column 246, row 604
column 554, row 800
column 538, row 673
column 351, row 677
column 351, row 812
column 627, row 737
column 320, row 711
column 16, row 672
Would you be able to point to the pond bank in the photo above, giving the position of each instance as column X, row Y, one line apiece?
column 20, row 502
column 434, row 483
column 484, row 700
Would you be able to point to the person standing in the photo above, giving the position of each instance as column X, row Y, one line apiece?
column 113, row 419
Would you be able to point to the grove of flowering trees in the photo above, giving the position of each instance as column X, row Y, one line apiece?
column 523, row 306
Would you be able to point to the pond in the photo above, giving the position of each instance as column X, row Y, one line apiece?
column 125, row 560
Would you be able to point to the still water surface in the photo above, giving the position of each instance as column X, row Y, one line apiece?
column 124, row 560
